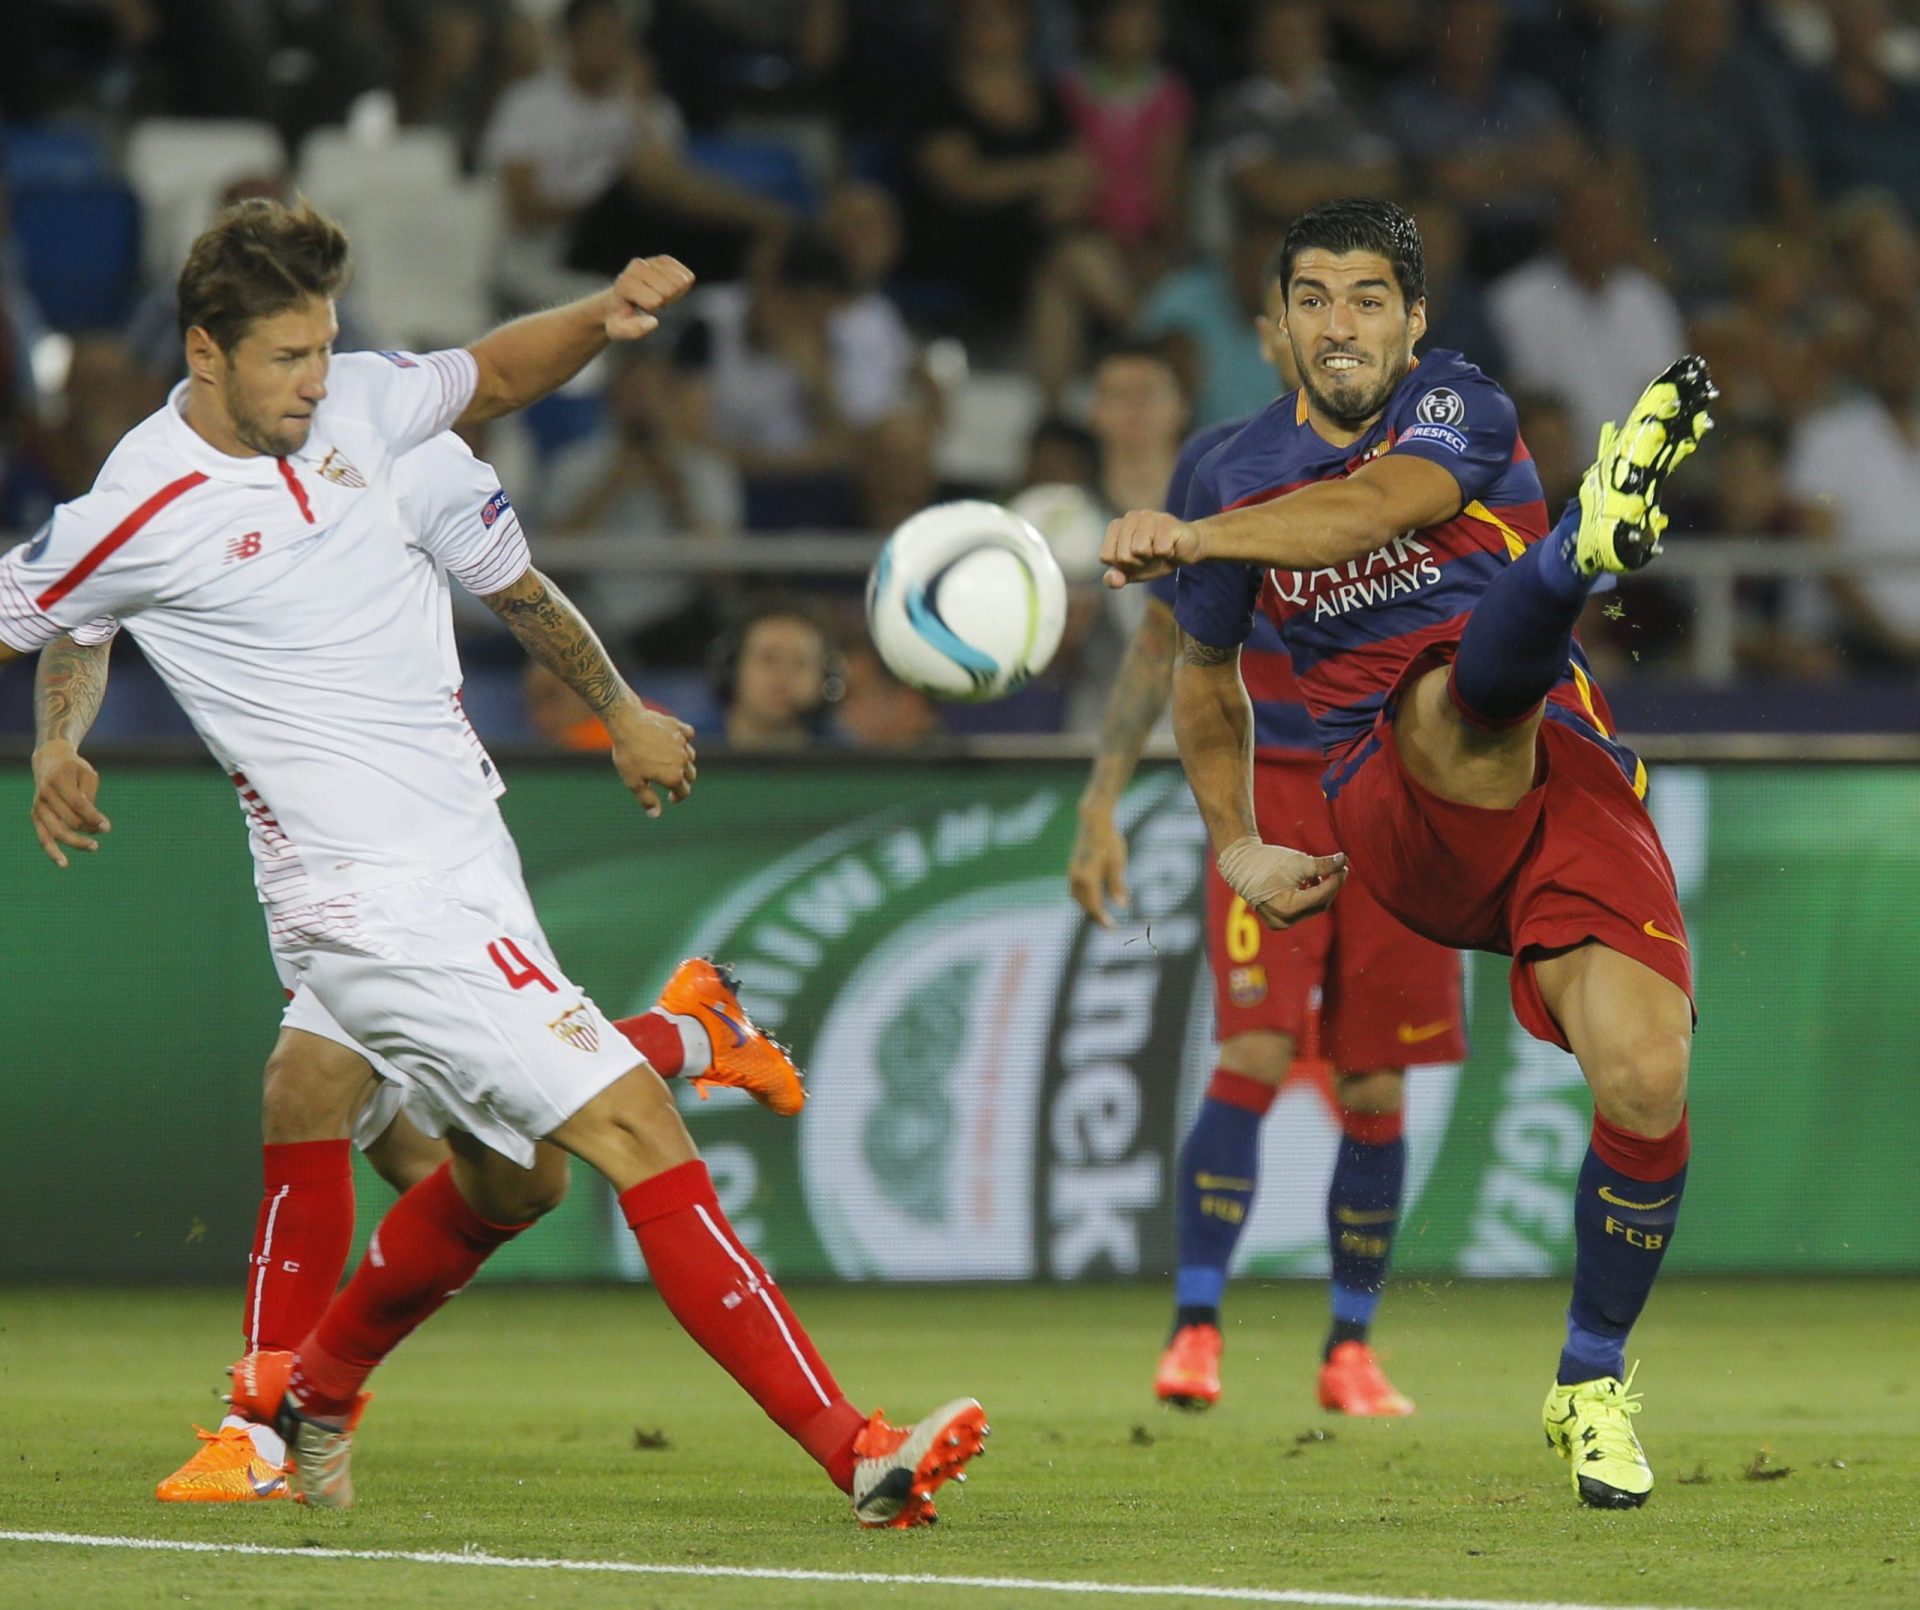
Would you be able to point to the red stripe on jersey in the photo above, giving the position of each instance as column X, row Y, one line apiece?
column 1342, row 680
column 117, row 538
column 1269, row 677
column 1268, row 494
column 293, row 485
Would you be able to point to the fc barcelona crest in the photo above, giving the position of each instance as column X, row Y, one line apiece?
column 578, row 1029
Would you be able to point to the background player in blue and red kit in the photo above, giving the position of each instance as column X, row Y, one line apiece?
column 1360, row 994
column 1389, row 521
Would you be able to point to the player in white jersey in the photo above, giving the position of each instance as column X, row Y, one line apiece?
column 247, row 534
column 321, row 1086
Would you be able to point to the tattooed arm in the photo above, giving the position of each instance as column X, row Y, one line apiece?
column 648, row 748
column 68, row 685
column 1097, row 869
column 1213, row 721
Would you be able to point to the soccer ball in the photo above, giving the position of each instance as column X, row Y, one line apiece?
column 966, row 601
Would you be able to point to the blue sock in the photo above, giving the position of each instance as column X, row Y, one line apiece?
column 1219, row 1169
column 1520, row 635
column 1363, row 1208
column 1622, row 1227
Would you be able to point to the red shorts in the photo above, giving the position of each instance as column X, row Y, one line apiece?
column 1385, row 997
column 1576, row 860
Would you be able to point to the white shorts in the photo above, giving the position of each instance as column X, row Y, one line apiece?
column 387, row 1100
column 448, row 985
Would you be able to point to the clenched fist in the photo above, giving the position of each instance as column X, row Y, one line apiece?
column 1145, row 544
column 645, row 285
column 1283, row 886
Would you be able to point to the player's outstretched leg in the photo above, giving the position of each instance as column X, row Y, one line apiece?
column 726, row 1302
column 1219, row 1170
column 1363, row 1209
column 1517, row 640
column 1632, row 1031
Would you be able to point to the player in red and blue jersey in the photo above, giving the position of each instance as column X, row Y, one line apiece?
column 1387, row 518
column 1358, row 997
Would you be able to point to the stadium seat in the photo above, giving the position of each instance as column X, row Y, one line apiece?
column 989, row 417
column 80, row 248
column 45, row 156
column 337, row 167
column 180, row 166
column 422, row 285
column 773, row 167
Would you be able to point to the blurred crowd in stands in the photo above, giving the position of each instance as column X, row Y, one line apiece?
column 961, row 247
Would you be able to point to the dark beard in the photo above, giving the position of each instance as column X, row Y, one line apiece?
column 252, row 433
column 1349, row 415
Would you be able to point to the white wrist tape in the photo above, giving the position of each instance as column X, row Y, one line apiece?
column 1259, row 873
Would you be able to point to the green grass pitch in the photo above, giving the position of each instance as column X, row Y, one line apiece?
column 1783, row 1420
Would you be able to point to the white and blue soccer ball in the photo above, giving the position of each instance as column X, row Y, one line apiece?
column 966, row 601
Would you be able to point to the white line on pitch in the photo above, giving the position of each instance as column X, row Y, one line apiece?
column 750, row 1573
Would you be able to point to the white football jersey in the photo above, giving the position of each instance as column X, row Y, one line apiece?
column 288, row 608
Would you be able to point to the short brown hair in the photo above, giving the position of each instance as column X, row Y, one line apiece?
column 259, row 258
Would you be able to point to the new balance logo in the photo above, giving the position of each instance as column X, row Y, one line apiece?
column 247, row 547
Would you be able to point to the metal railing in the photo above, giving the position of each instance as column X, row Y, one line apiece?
column 1712, row 567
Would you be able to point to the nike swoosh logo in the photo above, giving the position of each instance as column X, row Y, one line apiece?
column 739, row 1034
column 1349, row 1216
column 1639, row 1207
column 1221, row 1182
column 269, row 1486
column 1409, row 1035
column 1652, row 932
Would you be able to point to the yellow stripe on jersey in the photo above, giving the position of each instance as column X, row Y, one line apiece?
column 1585, row 690
column 1516, row 544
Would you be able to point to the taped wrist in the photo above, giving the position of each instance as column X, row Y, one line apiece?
column 1258, row 873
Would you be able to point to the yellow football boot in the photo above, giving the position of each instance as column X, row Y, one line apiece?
column 1620, row 519
column 1591, row 1424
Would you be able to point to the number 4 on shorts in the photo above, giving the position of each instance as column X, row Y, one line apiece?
column 516, row 969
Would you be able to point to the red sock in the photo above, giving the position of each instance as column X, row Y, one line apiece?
column 657, row 1038
column 725, row 1302
column 428, row 1246
column 300, row 1241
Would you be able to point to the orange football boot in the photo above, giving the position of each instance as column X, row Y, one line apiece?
column 228, row 1469
column 743, row 1057
column 1351, row 1382
column 902, row 1467
column 1189, row 1375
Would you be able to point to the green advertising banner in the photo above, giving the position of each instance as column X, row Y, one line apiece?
column 998, row 1088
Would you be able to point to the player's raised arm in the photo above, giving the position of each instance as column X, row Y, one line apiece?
column 68, row 685
column 650, row 750
column 1097, row 868
column 521, row 362
column 1324, row 524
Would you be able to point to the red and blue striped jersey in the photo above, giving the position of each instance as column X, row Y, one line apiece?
column 1282, row 727
column 1352, row 629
